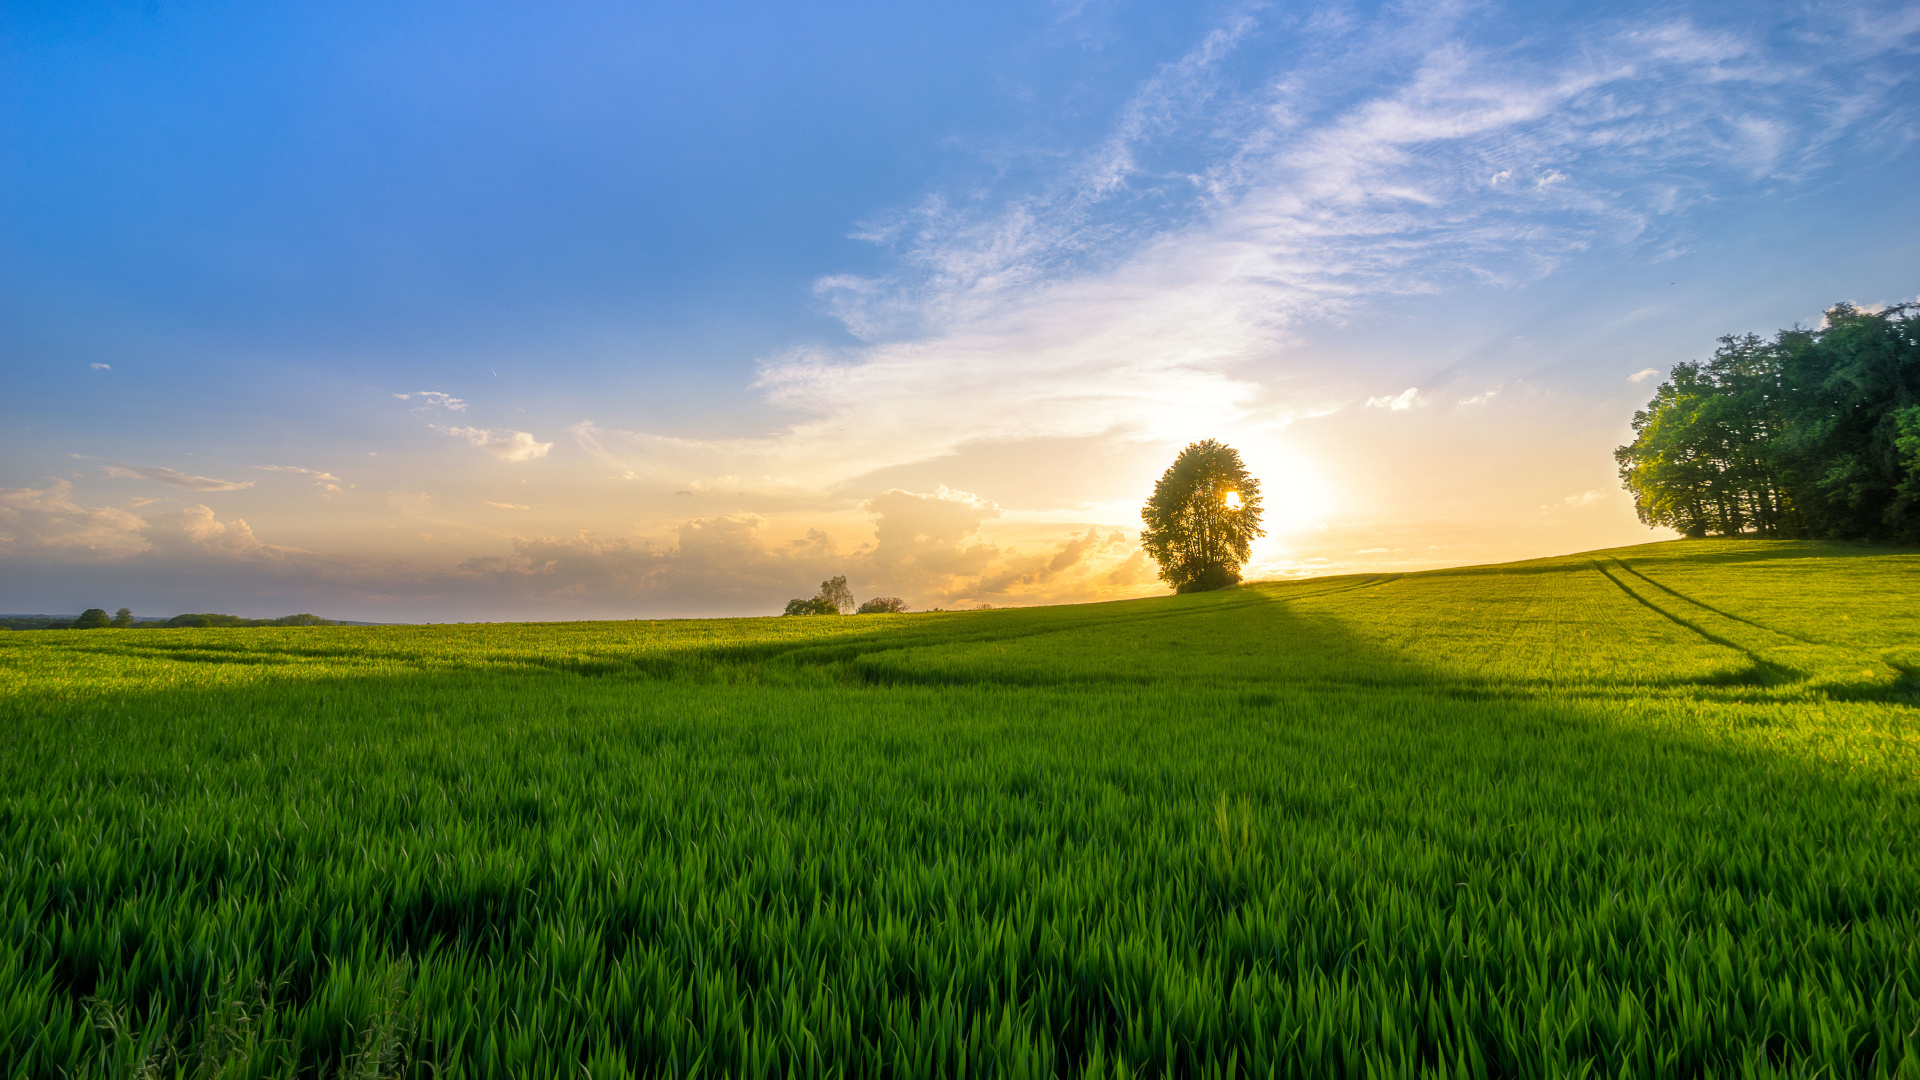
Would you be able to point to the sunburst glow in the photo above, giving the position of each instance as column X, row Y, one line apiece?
column 1232, row 499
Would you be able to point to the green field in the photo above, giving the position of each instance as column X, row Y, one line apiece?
column 1642, row 812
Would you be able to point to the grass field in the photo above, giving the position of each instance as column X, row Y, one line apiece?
column 1643, row 812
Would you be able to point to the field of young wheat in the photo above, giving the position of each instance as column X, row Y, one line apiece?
column 1643, row 812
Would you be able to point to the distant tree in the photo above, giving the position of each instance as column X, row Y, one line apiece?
column 1202, row 518
column 883, row 605
column 835, row 592
column 834, row 598
column 190, row 621
column 123, row 618
column 92, row 619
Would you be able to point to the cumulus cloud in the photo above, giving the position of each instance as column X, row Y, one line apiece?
column 1643, row 375
column 1401, row 402
column 503, row 443
column 197, row 528
column 325, row 481
column 48, row 521
column 931, row 534
column 174, row 478
column 927, row 547
column 715, row 560
column 1026, row 572
column 1131, row 572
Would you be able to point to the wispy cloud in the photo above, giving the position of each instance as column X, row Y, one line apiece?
column 101, row 367
column 434, row 398
column 1644, row 374
column 174, row 478
column 1400, row 402
column 505, row 444
column 508, row 506
column 325, row 481
column 1382, row 160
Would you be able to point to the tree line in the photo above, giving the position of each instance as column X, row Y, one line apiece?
column 1814, row 433
column 98, row 619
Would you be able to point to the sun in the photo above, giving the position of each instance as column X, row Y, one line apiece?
column 1232, row 499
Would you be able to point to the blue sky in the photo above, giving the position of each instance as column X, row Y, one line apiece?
column 694, row 305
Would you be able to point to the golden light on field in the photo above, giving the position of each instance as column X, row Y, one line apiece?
column 1232, row 499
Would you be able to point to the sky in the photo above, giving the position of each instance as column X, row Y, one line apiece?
column 418, row 311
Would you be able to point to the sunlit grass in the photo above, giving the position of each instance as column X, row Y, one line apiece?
column 1649, row 811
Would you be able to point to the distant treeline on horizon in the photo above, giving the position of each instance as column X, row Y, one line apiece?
column 126, row 620
column 1813, row 434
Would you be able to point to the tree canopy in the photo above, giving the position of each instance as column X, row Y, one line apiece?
column 1815, row 433
column 1202, row 518
column 834, row 598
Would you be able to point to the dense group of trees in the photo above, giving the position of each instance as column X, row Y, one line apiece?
column 1815, row 433
column 836, row 598
column 97, row 619
column 1202, row 518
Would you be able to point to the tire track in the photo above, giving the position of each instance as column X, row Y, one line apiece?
column 1628, row 567
column 1724, row 642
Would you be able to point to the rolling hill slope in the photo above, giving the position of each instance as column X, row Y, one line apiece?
column 1649, row 810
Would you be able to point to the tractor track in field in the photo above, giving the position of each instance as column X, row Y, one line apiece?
column 1669, row 590
column 1826, row 658
column 1688, row 624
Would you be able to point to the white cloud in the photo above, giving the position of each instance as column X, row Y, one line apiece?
column 431, row 398
column 1481, row 398
column 197, row 528
column 101, row 367
column 935, row 534
column 1585, row 498
column 503, row 443
column 173, row 478
column 1643, row 375
column 927, row 547
column 1401, row 402
column 325, row 481
column 48, row 521
column 1152, row 292
column 509, row 506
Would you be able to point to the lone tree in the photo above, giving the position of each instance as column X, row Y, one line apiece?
column 834, row 599
column 92, row 619
column 883, row 605
column 1202, row 518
